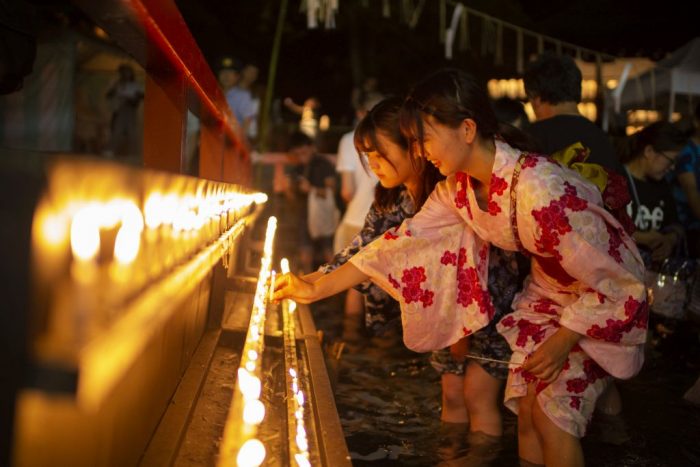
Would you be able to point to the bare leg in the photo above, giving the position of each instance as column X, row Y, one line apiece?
column 353, row 317
column 453, row 408
column 481, row 397
column 529, row 442
column 354, row 303
column 560, row 448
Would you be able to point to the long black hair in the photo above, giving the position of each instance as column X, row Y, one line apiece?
column 450, row 96
column 384, row 118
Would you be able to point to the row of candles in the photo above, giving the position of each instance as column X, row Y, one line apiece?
column 184, row 223
column 299, row 444
column 103, row 233
column 106, row 213
column 247, row 411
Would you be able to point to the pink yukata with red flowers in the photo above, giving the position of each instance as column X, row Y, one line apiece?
column 586, row 275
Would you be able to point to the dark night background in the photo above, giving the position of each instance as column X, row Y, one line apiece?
column 327, row 63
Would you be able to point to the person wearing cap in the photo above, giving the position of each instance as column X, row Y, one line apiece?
column 239, row 99
column 228, row 73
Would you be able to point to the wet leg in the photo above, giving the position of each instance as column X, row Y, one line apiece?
column 529, row 441
column 559, row 447
column 453, row 408
column 481, row 398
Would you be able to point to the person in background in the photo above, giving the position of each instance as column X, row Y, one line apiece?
column 512, row 112
column 312, row 183
column 309, row 113
column 240, row 99
column 369, row 91
column 126, row 95
column 228, row 73
column 553, row 87
column 357, row 191
column 686, row 188
column 652, row 153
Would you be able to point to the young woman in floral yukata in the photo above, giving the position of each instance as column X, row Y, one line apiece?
column 582, row 315
column 468, row 395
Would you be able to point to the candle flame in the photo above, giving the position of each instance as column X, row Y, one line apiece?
column 251, row 454
column 85, row 234
column 253, row 412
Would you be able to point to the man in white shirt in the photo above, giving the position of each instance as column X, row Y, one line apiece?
column 357, row 190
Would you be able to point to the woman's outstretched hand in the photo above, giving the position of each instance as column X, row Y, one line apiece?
column 294, row 288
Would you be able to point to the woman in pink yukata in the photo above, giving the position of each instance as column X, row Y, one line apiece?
column 582, row 315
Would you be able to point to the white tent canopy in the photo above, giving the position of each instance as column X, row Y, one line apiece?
column 676, row 74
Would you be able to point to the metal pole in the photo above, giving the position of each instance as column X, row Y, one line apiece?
column 264, row 121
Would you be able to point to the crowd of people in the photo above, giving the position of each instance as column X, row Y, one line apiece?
column 523, row 256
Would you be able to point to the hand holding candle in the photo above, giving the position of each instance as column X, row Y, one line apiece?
column 290, row 286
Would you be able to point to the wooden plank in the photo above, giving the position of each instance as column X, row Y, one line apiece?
column 163, row 447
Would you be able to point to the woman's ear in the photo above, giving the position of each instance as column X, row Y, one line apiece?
column 469, row 127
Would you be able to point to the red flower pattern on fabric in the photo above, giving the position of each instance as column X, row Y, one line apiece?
column 528, row 329
column 497, row 186
column 544, row 306
column 427, row 298
column 614, row 243
column 483, row 252
column 553, row 221
column 528, row 377
column 575, row 402
column 508, row 321
column 616, row 197
column 468, row 285
column 461, row 195
column 637, row 316
column 389, row 235
column 576, row 385
column 461, row 258
column 448, row 258
column 394, row 282
column 593, row 373
column 412, row 291
column 530, row 160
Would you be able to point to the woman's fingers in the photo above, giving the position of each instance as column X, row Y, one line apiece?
column 283, row 287
column 284, row 281
column 540, row 366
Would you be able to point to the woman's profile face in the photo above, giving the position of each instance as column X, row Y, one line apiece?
column 443, row 146
column 392, row 165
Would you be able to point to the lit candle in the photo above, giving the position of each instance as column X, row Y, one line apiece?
column 85, row 245
column 251, row 454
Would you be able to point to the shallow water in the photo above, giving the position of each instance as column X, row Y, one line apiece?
column 388, row 400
